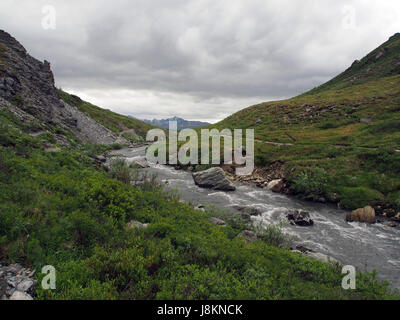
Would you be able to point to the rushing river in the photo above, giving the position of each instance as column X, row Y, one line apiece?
column 366, row 247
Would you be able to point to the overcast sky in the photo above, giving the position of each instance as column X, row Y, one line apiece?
column 198, row 59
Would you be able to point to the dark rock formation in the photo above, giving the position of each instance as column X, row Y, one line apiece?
column 300, row 218
column 28, row 85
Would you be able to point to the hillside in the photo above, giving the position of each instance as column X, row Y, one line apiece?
column 339, row 142
column 129, row 128
column 27, row 88
column 382, row 62
column 110, row 239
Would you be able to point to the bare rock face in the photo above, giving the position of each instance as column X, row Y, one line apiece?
column 213, row 178
column 366, row 215
column 28, row 85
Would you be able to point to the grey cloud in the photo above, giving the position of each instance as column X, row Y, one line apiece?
column 212, row 56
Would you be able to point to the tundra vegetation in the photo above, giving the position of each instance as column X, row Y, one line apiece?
column 62, row 209
column 340, row 141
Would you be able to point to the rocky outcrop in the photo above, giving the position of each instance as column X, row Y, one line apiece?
column 16, row 283
column 213, row 178
column 28, row 85
column 300, row 218
column 366, row 215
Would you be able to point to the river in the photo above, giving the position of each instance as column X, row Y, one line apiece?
column 363, row 246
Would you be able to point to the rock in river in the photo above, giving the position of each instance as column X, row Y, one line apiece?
column 213, row 178
column 366, row 215
column 300, row 218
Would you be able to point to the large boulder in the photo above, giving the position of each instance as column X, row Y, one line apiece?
column 276, row 185
column 213, row 178
column 366, row 215
column 300, row 218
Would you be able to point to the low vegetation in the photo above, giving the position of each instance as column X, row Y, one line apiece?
column 60, row 209
column 341, row 145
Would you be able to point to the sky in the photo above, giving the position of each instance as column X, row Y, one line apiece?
column 197, row 59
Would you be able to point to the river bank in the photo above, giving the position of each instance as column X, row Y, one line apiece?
column 367, row 247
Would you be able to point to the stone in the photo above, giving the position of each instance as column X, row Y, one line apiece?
column 200, row 208
column 248, row 235
column 136, row 224
column 322, row 257
column 26, row 285
column 390, row 224
column 14, row 268
column 276, row 185
column 3, row 287
column 366, row 120
column 365, row 215
column 101, row 159
column 141, row 164
column 217, row 222
column 18, row 295
column 213, row 178
column 300, row 218
column 249, row 210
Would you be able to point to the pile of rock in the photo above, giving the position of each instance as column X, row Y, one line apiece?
column 16, row 283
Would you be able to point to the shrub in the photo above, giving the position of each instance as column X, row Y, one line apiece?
column 121, row 171
column 274, row 235
column 359, row 197
column 311, row 183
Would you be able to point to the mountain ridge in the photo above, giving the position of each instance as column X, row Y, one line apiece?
column 28, row 85
column 182, row 123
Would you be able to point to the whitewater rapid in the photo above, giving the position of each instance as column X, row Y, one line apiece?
column 363, row 246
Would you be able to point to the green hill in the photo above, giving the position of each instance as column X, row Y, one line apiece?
column 340, row 141
column 59, row 207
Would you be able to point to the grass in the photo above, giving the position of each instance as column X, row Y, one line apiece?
column 60, row 209
column 325, row 131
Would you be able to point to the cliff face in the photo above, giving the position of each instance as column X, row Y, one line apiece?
column 28, row 86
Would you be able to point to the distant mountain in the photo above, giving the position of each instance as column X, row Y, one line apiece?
column 182, row 123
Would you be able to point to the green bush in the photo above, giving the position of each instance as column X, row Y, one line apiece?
column 121, row 171
column 359, row 197
column 311, row 183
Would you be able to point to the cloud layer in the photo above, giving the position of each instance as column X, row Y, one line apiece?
column 199, row 59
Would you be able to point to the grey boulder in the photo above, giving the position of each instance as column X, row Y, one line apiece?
column 213, row 178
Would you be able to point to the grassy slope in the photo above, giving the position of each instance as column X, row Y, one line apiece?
column 357, row 163
column 111, row 120
column 59, row 209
